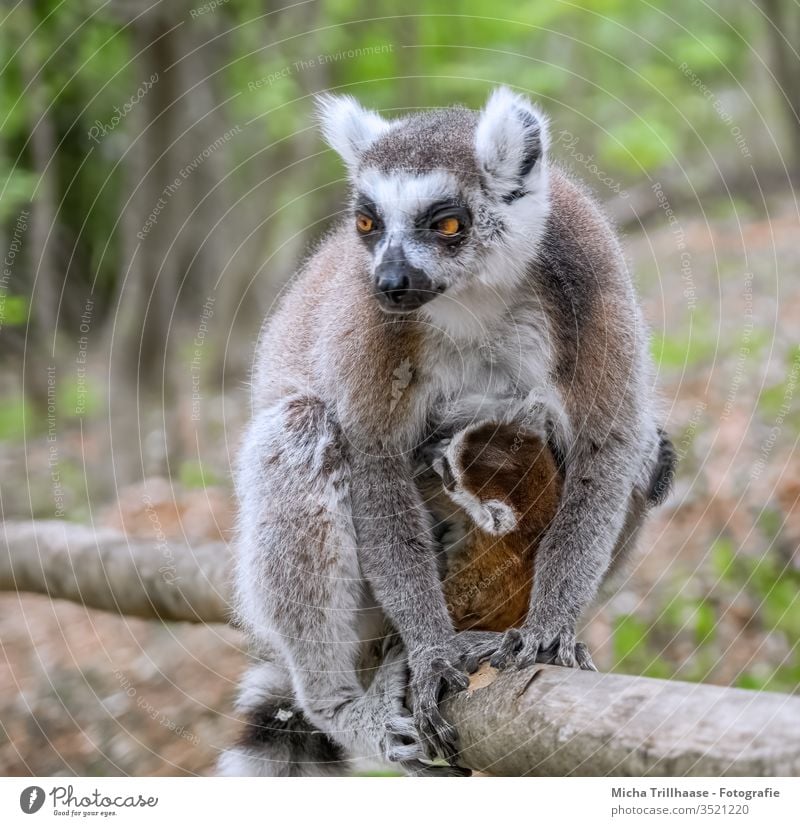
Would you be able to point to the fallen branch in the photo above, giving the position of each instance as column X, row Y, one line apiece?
column 542, row 721
column 158, row 579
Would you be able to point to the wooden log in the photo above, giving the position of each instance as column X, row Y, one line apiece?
column 165, row 579
column 554, row 721
column 544, row 720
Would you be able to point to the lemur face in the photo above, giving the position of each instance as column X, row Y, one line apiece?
column 441, row 198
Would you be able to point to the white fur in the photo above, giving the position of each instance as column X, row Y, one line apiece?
column 347, row 127
column 502, row 136
column 491, row 515
column 400, row 197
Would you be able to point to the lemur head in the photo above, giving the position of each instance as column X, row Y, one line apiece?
column 444, row 199
column 501, row 473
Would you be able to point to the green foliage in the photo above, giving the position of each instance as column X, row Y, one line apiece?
column 778, row 402
column 196, row 475
column 13, row 310
column 635, row 82
column 770, row 588
column 12, row 419
column 685, row 349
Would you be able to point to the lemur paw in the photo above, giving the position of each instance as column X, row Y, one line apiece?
column 423, row 769
column 433, row 674
column 402, row 742
column 523, row 647
column 405, row 747
column 518, row 648
column 475, row 647
column 583, row 657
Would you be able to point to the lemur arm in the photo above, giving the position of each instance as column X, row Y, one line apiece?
column 398, row 560
column 602, row 468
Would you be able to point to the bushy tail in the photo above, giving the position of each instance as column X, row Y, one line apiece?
column 278, row 740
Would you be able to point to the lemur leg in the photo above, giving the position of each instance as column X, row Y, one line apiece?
column 300, row 586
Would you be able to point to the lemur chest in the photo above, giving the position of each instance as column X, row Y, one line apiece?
column 507, row 362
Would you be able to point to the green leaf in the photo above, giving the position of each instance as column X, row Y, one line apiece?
column 705, row 622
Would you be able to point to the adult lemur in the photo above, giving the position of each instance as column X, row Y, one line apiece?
column 470, row 278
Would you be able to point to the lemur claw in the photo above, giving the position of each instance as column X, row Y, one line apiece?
column 526, row 646
column 506, row 653
column 418, row 768
column 583, row 657
column 475, row 647
column 433, row 674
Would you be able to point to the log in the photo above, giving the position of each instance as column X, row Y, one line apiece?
column 545, row 720
column 163, row 579
column 553, row 721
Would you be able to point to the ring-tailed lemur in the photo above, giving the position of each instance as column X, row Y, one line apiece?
column 468, row 268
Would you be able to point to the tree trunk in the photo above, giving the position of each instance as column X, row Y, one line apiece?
column 783, row 31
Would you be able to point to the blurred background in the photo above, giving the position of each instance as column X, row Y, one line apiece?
column 160, row 178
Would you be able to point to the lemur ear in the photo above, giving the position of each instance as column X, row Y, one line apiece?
column 347, row 126
column 510, row 142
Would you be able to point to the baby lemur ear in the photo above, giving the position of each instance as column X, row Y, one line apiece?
column 347, row 126
column 510, row 142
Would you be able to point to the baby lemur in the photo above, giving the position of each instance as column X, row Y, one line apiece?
column 494, row 490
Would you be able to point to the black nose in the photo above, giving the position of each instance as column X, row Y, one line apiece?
column 399, row 286
column 394, row 281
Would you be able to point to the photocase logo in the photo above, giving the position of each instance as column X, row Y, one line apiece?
column 31, row 799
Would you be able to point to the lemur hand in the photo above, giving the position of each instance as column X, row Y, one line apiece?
column 475, row 647
column 529, row 644
column 435, row 670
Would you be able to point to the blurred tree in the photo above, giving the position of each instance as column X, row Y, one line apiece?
column 783, row 30
column 94, row 147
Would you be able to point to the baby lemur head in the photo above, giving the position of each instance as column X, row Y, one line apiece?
column 443, row 199
column 503, row 475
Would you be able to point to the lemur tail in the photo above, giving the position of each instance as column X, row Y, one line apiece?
column 278, row 740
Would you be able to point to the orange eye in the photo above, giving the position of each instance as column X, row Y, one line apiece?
column 448, row 226
column 364, row 223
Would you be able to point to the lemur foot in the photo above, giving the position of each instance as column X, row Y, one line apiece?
column 433, row 673
column 583, row 658
column 525, row 646
column 400, row 741
column 408, row 750
column 422, row 769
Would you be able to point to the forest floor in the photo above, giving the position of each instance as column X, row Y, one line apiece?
column 712, row 595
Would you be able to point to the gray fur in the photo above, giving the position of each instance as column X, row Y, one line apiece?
column 533, row 308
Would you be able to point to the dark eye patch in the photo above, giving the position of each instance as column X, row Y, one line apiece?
column 367, row 207
column 438, row 211
column 443, row 209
